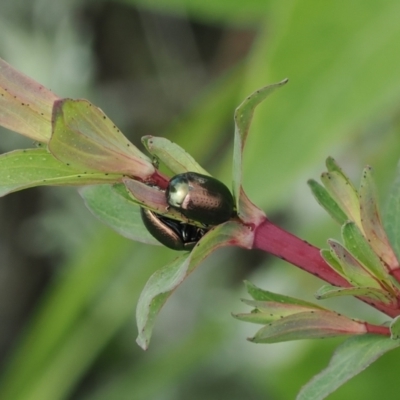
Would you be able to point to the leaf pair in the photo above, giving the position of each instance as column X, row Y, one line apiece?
column 286, row 318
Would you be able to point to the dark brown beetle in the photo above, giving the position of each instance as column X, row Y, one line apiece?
column 173, row 234
column 200, row 198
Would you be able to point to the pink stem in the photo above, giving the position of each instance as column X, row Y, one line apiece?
column 280, row 243
column 159, row 179
column 377, row 329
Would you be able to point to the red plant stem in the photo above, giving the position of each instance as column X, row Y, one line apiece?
column 377, row 329
column 280, row 243
column 159, row 179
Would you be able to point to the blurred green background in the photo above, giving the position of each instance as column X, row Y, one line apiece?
column 69, row 286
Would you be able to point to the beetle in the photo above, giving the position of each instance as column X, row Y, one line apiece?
column 200, row 198
column 171, row 233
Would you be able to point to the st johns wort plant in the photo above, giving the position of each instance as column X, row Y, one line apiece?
column 77, row 144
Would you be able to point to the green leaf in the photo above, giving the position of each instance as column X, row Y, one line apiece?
column 263, row 295
column 308, row 325
column 352, row 268
column 355, row 242
column 25, row 105
column 99, row 283
column 269, row 311
column 395, row 328
column 343, row 193
column 342, row 74
column 118, row 212
column 164, row 281
column 333, row 166
column 243, row 117
column 327, row 202
column 349, row 359
column 255, row 317
column 85, row 138
column 330, row 257
column 328, row 291
column 371, row 221
column 171, row 155
column 392, row 214
column 21, row 169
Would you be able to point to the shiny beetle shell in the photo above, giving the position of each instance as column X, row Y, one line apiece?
column 172, row 234
column 200, row 198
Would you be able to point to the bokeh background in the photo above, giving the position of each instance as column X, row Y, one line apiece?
column 69, row 285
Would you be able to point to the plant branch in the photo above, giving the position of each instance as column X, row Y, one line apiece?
column 288, row 247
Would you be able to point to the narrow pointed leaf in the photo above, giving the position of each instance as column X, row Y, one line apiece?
column 255, row 317
column 330, row 257
column 21, row 169
column 163, row 282
column 85, row 138
column 343, row 193
column 371, row 221
column 392, row 214
column 25, row 105
column 243, row 118
column 265, row 296
column 118, row 212
column 355, row 242
column 308, row 325
column 326, row 201
column 328, row 291
column 171, row 155
column 349, row 359
column 269, row 311
column 352, row 268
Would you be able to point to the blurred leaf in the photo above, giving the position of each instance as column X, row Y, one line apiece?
column 308, row 325
column 328, row 291
column 85, row 138
column 330, row 257
column 263, row 295
column 371, row 221
column 25, row 105
column 21, row 169
column 266, row 312
column 349, row 359
column 342, row 75
column 327, row 202
column 117, row 212
column 163, row 282
column 395, row 328
column 392, row 214
column 64, row 335
column 359, row 247
column 343, row 193
column 186, row 357
column 352, row 269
